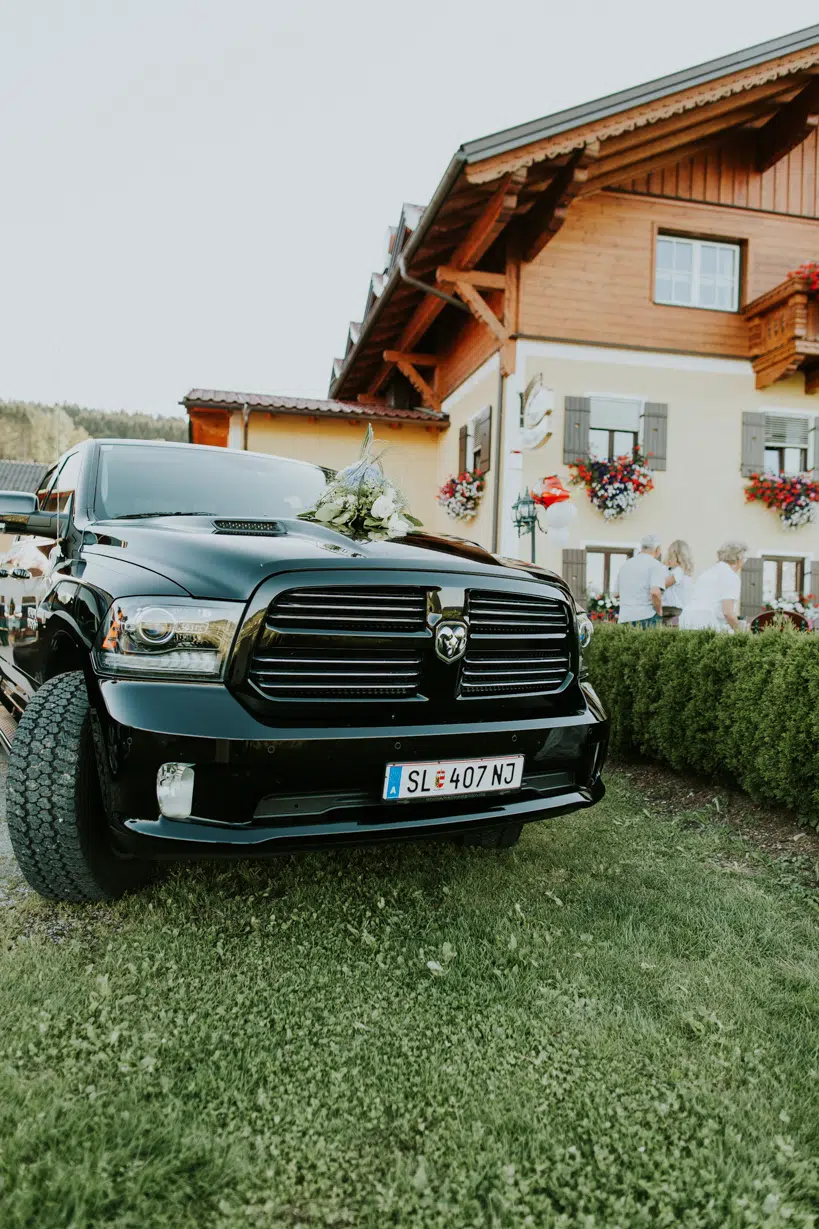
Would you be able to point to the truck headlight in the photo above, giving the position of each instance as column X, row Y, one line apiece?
column 585, row 627
column 157, row 637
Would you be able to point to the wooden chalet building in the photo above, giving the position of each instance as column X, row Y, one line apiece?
column 632, row 257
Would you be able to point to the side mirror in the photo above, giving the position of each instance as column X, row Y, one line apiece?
column 19, row 514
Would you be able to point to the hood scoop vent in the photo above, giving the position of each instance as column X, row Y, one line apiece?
column 259, row 529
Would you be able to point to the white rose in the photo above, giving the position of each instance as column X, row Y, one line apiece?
column 397, row 526
column 384, row 506
column 326, row 512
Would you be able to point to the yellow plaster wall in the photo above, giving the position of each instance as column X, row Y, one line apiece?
column 479, row 391
column 700, row 496
column 410, row 456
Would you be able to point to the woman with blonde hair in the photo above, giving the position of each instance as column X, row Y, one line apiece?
column 677, row 595
column 715, row 599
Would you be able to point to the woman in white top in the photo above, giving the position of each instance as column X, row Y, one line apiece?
column 715, row 599
column 677, row 595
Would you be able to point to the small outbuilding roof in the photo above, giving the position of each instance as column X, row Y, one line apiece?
column 21, row 475
column 219, row 399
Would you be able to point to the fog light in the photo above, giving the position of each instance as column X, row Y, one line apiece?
column 174, row 790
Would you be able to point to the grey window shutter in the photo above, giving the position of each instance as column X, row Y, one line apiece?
column 576, row 423
column 462, row 434
column 814, row 581
column 750, row 598
column 655, row 434
column 814, row 439
column 574, row 573
column 483, row 436
column 753, row 443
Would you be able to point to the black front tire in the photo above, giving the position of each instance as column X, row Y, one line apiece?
column 57, row 821
column 499, row 836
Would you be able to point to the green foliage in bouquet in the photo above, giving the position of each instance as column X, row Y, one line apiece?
column 742, row 709
column 362, row 501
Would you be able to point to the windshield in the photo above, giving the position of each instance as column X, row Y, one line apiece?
column 139, row 479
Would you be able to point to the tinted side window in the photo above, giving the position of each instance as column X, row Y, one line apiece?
column 66, row 483
column 42, row 493
column 59, row 497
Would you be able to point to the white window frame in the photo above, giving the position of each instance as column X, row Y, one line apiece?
column 776, row 552
column 813, row 434
column 696, row 246
column 641, row 401
column 470, row 435
column 596, row 545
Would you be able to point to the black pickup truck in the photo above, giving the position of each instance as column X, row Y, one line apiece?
column 199, row 672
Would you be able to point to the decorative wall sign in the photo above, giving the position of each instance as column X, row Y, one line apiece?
column 536, row 405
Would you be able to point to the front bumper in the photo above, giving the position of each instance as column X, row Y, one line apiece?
column 260, row 790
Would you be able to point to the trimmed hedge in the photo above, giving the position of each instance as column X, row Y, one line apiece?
column 742, row 709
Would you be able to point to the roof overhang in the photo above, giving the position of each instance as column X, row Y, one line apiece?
column 523, row 180
column 217, row 400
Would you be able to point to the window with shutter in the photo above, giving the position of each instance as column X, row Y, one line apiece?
column 814, row 582
column 462, row 443
column 750, row 599
column 655, row 434
column 576, row 423
column 787, row 442
column 614, row 424
column 753, row 443
column 574, row 573
column 482, row 437
column 783, row 578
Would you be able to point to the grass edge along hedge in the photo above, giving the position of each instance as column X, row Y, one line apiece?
column 742, row 709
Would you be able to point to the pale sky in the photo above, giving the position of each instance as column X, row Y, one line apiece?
column 195, row 192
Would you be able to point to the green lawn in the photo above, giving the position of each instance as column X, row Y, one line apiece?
column 615, row 1024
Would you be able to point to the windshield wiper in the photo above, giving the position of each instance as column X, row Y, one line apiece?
column 141, row 516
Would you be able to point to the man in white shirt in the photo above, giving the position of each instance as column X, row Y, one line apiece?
column 640, row 585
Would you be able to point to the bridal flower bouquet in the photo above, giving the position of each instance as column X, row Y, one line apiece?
column 362, row 501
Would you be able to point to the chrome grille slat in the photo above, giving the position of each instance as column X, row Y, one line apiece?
column 315, row 674
column 528, row 637
column 515, row 614
column 349, row 610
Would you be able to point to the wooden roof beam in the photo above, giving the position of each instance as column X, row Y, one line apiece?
column 483, row 232
column 545, row 218
column 634, row 170
column 789, row 127
column 473, row 277
column 429, row 397
column 417, row 360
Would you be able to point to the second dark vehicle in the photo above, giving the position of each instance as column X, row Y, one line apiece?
column 197, row 672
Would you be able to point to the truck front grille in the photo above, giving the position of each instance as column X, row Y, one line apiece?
column 373, row 643
column 515, row 615
column 512, row 672
column 349, row 610
column 331, row 674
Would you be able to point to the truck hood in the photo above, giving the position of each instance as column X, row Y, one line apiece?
column 212, row 561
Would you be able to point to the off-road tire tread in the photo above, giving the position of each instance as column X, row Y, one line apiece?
column 53, row 791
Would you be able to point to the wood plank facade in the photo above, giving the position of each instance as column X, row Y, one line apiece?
column 595, row 281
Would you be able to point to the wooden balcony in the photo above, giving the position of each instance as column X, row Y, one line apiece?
column 783, row 334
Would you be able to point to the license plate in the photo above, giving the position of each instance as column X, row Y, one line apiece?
column 443, row 778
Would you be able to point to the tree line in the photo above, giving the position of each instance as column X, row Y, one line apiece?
column 30, row 431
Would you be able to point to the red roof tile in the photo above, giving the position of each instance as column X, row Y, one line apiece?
column 209, row 398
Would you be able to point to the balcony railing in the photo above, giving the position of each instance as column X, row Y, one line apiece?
column 783, row 333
